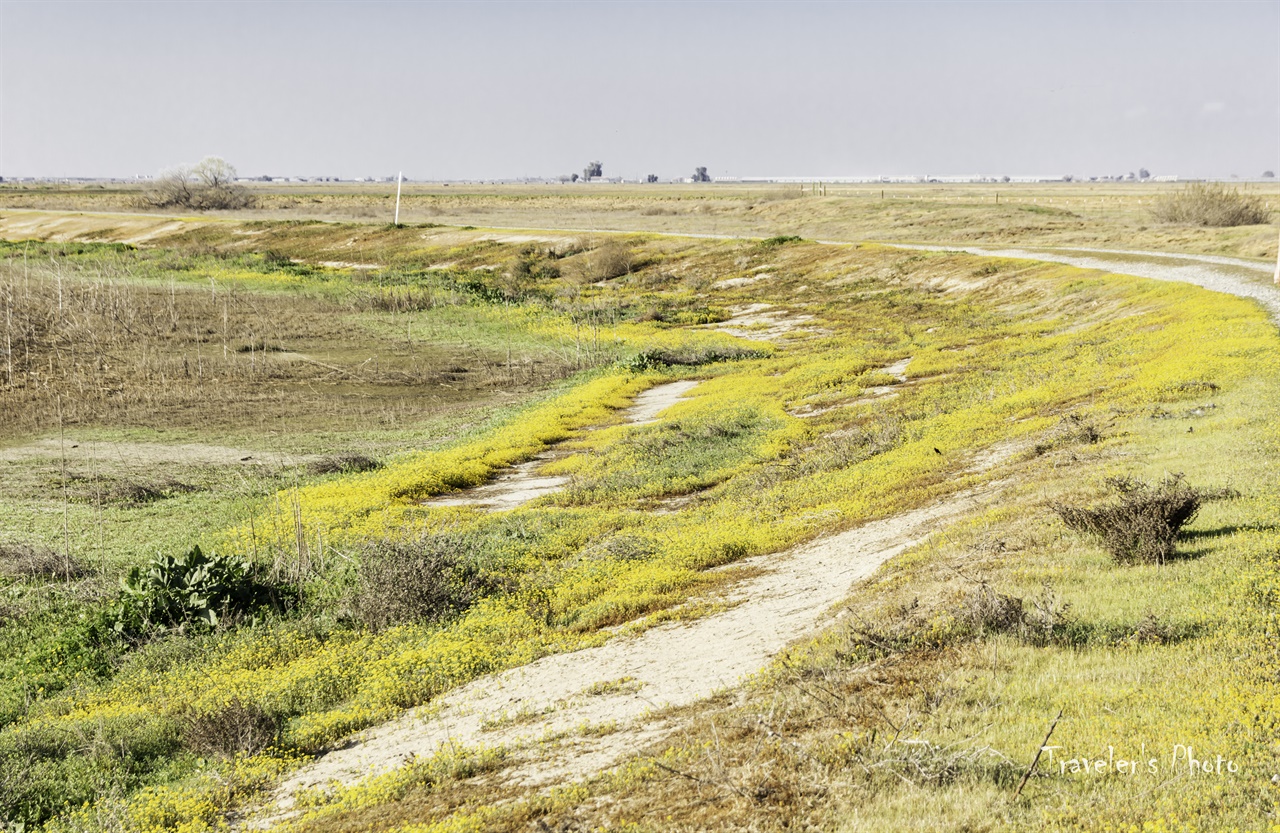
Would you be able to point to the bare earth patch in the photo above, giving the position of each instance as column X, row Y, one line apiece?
column 74, row 451
column 524, row 482
column 762, row 323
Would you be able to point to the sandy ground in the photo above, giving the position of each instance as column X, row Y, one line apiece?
column 655, row 400
column 624, row 684
column 762, row 323
column 60, row 226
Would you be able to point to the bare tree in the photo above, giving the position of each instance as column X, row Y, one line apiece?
column 171, row 188
column 209, row 184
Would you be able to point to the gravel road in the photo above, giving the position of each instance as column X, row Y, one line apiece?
column 1234, row 276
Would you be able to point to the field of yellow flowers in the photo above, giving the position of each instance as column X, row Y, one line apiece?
column 790, row 433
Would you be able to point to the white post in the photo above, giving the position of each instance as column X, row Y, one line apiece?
column 399, row 179
column 1276, row 279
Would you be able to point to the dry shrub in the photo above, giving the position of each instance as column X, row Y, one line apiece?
column 1149, row 631
column 1072, row 430
column 1143, row 524
column 344, row 464
column 1047, row 620
column 131, row 493
column 431, row 579
column 612, row 260
column 986, row 610
column 1211, row 204
column 31, row 561
column 237, row 728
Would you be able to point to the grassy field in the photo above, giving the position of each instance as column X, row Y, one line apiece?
column 1099, row 215
column 294, row 392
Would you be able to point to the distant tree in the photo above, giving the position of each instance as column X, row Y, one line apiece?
column 214, row 173
column 651, row 178
column 1068, row 178
column 1004, row 179
column 1143, row 173
column 573, row 178
column 593, row 170
column 1268, row 174
column 209, row 184
column 700, row 175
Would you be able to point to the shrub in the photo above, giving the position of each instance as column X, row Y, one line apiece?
column 1047, row 620
column 344, row 464
column 191, row 591
column 27, row 561
column 237, row 728
column 432, row 579
column 209, row 184
column 690, row 357
column 1142, row 525
column 1210, row 204
column 780, row 240
column 986, row 610
column 612, row 260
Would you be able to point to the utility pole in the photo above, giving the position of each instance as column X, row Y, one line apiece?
column 1276, row 279
column 399, row 179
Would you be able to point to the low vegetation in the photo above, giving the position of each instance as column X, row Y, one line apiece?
column 342, row 595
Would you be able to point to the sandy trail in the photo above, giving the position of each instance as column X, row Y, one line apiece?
column 1234, row 276
column 620, row 684
column 525, row 481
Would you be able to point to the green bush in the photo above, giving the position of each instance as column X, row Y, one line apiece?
column 690, row 357
column 780, row 240
column 194, row 590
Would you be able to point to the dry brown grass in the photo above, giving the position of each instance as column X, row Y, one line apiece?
column 98, row 347
column 1211, row 204
column 1103, row 215
column 22, row 560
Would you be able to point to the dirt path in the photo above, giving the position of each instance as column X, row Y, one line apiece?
column 145, row 455
column 1234, row 276
column 598, row 704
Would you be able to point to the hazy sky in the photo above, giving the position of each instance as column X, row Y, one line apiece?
column 497, row 90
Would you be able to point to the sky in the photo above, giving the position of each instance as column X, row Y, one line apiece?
column 497, row 90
